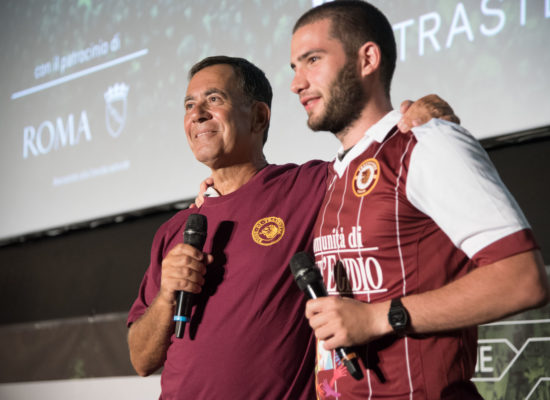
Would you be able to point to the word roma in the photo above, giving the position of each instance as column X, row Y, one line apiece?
column 49, row 136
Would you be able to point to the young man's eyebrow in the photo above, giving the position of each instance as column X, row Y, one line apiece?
column 306, row 55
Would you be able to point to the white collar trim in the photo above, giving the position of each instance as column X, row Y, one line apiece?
column 377, row 132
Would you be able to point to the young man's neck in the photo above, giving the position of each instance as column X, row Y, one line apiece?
column 372, row 113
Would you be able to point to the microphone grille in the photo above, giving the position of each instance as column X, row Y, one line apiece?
column 304, row 270
column 196, row 222
column 195, row 231
column 300, row 261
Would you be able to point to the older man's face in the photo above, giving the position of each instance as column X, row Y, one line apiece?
column 217, row 117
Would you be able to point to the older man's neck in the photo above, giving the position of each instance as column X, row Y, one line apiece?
column 229, row 179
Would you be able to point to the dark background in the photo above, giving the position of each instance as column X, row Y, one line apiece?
column 86, row 272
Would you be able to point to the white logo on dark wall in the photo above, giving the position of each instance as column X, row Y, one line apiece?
column 115, row 108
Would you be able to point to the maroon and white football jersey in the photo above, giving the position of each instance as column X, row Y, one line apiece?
column 405, row 213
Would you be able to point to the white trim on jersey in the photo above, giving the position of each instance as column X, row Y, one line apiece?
column 449, row 172
column 452, row 179
column 401, row 261
column 377, row 132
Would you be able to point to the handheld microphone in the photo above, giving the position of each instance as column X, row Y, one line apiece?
column 195, row 235
column 309, row 280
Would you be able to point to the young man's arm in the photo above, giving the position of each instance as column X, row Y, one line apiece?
column 487, row 293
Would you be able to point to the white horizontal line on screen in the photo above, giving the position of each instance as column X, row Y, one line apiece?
column 79, row 74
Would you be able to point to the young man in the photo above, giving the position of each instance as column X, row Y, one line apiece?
column 417, row 239
column 247, row 338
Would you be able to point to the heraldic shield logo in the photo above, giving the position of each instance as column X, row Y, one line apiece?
column 268, row 231
column 115, row 108
column 365, row 177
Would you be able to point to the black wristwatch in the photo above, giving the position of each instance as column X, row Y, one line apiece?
column 398, row 317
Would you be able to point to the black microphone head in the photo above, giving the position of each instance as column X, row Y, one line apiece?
column 195, row 231
column 304, row 270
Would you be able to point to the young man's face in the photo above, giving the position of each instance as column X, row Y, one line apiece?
column 326, row 81
column 217, row 117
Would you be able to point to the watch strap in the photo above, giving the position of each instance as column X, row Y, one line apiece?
column 398, row 317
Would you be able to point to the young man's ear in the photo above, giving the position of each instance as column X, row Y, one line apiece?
column 370, row 57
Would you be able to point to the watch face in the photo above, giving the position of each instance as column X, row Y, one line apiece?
column 398, row 318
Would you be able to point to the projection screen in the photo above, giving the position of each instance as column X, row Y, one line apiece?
column 91, row 104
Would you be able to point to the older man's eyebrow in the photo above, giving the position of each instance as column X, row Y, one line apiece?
column 208, row 92
column 221, row 92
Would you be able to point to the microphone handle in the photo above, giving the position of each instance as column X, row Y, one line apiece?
column 194, row 234
column 183, row 308
column 351, row 362
column 349, row 358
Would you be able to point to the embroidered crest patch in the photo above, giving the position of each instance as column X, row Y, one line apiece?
column 268, row 231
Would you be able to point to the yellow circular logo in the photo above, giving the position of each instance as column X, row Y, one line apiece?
column 365, row 177
column 268, row 231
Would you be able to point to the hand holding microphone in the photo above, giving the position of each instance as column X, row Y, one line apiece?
column 309, row 280
column 194, row 235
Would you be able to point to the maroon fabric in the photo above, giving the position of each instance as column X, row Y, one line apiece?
column 516, row 243
column 373, row 244
column 248, row 338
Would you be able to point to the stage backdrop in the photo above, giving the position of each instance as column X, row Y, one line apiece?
column 92, row 90
column 92, row 137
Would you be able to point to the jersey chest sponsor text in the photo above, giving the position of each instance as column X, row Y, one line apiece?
column 347, row 266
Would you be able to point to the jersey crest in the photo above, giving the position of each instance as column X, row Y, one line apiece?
column 268, row 231
column 366, row 177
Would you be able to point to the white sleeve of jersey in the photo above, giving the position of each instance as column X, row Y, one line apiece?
column 452, row 180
